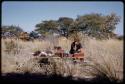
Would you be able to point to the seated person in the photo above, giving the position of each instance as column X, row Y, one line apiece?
column 76, row 49
column 59, row 51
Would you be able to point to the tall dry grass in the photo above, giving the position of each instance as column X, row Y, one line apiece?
column 102, row 58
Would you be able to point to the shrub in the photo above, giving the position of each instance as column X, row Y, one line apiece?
column 11, row 47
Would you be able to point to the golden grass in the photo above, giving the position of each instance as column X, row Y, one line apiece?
column 103, row 58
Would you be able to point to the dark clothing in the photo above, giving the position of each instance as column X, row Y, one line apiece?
column 78, row 46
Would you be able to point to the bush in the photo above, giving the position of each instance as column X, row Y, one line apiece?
column 11, row 47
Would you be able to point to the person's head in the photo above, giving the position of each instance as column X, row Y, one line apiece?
column 59, row 48
column 55, row 47
column 76, row 40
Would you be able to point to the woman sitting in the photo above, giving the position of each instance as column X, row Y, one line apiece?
column 76, row 50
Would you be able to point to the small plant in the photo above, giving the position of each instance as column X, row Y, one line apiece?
column 104, row 71
column 24, row 36
column 35, row 49
column 11, row 47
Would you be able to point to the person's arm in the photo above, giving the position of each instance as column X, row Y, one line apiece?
column 81, row 50
column 80, row 53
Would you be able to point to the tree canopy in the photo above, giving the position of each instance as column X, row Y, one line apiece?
column 11, row 30
column 94, row 25
column 47, row 27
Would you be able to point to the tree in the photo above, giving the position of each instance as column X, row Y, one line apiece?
column 96, row 25
column 24, row 36
column 65, row 23
column 110, row 24
column 47, row 27
column 11, row 30
column 34, row 34
column 120, row 37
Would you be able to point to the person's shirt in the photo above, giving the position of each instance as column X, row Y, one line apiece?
column 75, row 48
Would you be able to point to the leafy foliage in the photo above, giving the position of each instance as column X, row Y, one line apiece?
column 34, row 34
column 98, row 26
column 94, row 25
column 24, row 36
column 46, row 27
column 65, row 23
column 11, row 30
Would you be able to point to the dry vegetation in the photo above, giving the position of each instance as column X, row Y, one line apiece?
column 102, row 58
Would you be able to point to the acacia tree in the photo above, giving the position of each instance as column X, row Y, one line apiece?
column 110, row 24
column 47, row 27
column 65, row 23
column 96, row 25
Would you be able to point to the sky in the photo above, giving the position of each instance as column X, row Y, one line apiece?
column 27, row 14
